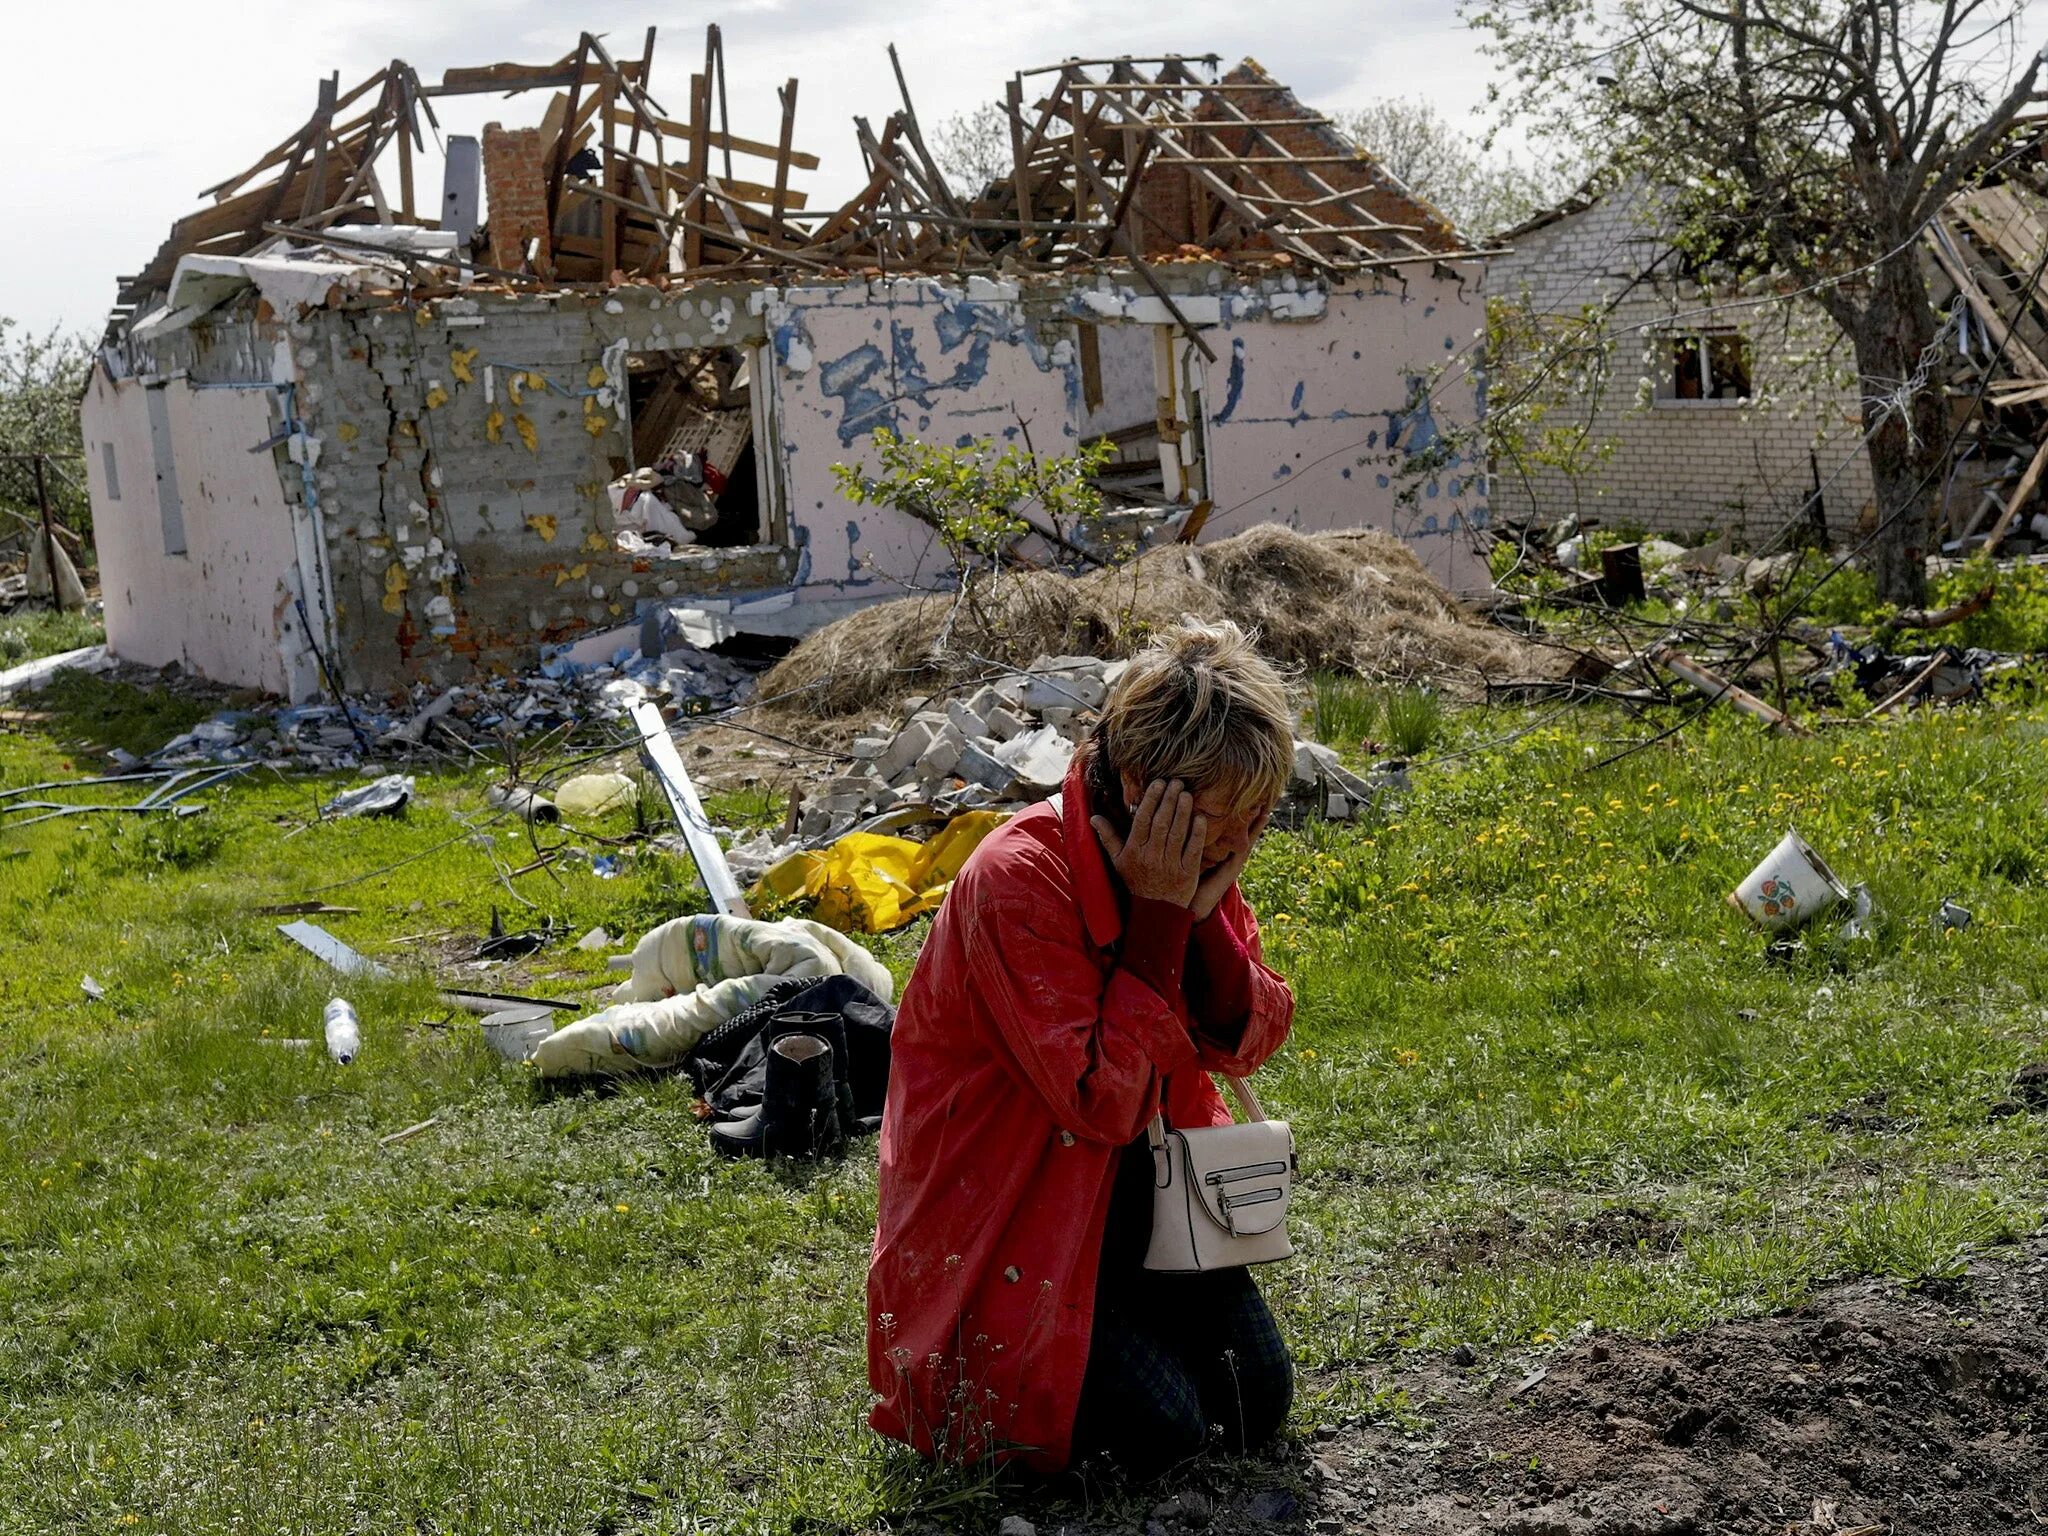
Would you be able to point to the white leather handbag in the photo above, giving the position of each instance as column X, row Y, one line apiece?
column 1220, row 1192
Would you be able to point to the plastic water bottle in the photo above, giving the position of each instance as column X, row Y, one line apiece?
column 344, row 1034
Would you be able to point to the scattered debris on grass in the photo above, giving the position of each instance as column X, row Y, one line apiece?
column 387, row 796
column 1790, row 887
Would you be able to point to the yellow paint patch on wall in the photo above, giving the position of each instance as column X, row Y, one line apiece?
column 348, row 431
column 460, row 360
column 494, row 427
column 543, row 523
column 574, row 573
column 436, row 398
column 528, row 433
column 596, row 543
column 395, row 583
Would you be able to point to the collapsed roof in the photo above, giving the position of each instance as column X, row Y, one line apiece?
column 1987, row 250
column 1116, row 158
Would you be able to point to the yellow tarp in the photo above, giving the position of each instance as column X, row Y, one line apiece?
column 868, row 883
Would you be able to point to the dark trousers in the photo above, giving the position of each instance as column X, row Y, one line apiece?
column 1173, row 1356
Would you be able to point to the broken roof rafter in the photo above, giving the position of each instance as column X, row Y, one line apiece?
column 1129, row 158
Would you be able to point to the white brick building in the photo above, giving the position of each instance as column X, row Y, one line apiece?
column 1717, row 418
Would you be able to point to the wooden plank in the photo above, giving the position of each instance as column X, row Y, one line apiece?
column 714, row 76
column 316, row 184
column 746, row 191
column 407, row 129
column 560, row 157
column 646, row 62
column 513, row 78
column 700, row 155
column 1020, row 174
column 779, row 203
column 916, row 137
column 2017, row 352
column 608, row 229
column 2028, row 482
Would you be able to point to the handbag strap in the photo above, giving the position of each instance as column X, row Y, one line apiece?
column 1240, row 1087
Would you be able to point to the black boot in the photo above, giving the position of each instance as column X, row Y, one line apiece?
column 799, row 1114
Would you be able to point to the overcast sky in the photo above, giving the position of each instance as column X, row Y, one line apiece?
column 179, row 98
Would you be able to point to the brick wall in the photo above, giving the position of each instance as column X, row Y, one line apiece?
column 1173, row 208
column 1684, row 467
column 516, row 190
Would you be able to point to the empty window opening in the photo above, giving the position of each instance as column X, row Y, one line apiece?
column 696, row 476
column 1710, row 366
column 110, row 471
column 1126, row 400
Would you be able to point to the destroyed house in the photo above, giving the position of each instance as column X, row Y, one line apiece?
column 349, row 423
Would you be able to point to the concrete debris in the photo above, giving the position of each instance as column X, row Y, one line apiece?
column 1007, row 744
column 600, row 679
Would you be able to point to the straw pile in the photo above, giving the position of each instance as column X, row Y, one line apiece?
column 1357, row 601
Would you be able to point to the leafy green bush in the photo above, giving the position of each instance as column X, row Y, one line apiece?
column 1847, row 597
column 2017, row 619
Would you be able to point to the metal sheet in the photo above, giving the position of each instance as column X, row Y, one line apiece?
column 663, row 761
column 322, row 945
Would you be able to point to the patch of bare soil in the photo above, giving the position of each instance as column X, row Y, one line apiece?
column 1874, row 1410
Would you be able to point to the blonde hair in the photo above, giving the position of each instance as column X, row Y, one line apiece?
column 1202, row 706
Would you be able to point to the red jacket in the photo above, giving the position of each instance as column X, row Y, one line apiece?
column 1028, row 1052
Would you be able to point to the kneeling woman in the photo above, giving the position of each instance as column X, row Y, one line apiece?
column 1093, row 964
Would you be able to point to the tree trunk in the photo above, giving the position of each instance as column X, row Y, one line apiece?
column 1908, row 438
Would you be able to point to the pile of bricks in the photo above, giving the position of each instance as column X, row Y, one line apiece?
column 1009, row 744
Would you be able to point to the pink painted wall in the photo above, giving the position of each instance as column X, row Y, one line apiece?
column 1313, row 408
column 926, row 359
column 1312, row 422
column 218, row 609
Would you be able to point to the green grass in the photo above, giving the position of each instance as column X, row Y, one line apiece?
column 1344, row 710
column 29, row 633
column 1541, row 1076
column 85, row 708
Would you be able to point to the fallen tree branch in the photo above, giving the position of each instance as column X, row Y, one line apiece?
column 1955, row 613
column 1716, row 687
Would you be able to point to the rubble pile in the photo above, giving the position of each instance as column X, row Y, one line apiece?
column 570, row 687
column 1006, row 744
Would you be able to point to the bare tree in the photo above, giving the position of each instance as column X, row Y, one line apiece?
column 1810, row 139
column 973, row 148
column 1479, row 190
